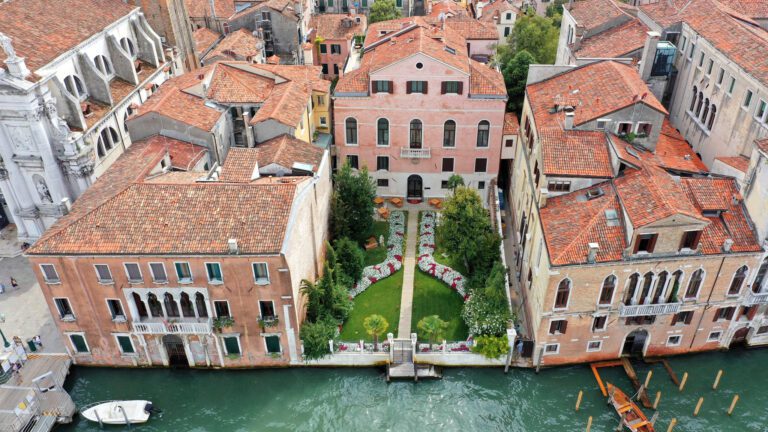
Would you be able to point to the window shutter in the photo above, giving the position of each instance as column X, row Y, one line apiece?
column 752, row 312
column 442, row 87
column 391, row 87
column 461, row 87
column 373, row 87
column 717, row 315
column 564, row 326
column 426, row 85
column 408, row 86
column 552, row 327
column 637, row 245
column 674, row 319
column 696, row 240
column 729, row 313
column 652, row 243
column 688, row 317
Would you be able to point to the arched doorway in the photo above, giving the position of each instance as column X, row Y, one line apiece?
column 174, row 346
column 415, row 188
column 739, row 337
column 634, row 343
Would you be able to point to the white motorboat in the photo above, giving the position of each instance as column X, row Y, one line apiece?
column 118, row 412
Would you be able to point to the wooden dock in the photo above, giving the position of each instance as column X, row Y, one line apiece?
column 668, row 368
column 402, row 365
column 629, row 370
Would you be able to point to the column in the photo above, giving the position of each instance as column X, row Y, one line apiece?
column 188, row 351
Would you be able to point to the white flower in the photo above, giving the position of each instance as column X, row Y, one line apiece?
column 392, row 263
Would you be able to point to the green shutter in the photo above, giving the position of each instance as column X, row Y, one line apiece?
column 79, row 343
column 323, row 48
column 230, row 343
column 365, row 3
column 399, row 3
column 125, row 344
column 330, row 3
column 273, row 344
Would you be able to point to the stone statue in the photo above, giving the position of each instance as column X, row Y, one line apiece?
column 7, row 45
column 42, row 190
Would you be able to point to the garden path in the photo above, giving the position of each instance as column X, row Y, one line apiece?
column 409, row 264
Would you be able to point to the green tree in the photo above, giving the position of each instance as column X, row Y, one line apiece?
column 555, row 11
column 314, row 295
column 537, row 35
column 491, row 347
column 455, row 181
column 465, row 230
column 433, row 327
column 383, row 10
column 352, row 204
column 515, row 76
column 487, row 310
column 375, row 325
column 350, row 261
column 326, row 299
column 315, row 337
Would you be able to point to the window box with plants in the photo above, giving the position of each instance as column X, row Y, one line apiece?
column 222, row 322
column 266, row 322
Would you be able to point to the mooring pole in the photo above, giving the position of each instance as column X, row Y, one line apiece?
column 578, row 399
column 672, row 425
column 589, row 423
column 682, row 383
column 698, row 406
column 656, row 401
column 717, row 379
column 733, row 404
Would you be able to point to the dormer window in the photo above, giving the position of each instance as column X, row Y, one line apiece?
column 644, row 129
column 645, row 243
column 690, row 240
column 624, row 128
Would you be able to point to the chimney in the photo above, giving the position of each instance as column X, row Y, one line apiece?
column 727, row 245
column 66, row 206
column 543, row 195
column 649, row 54
column 569, row 120
column 16, row 65
column 233, row 250
column 592, row 254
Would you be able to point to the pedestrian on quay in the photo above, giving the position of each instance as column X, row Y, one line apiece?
column 519, row 348
column 38, row 341
column 14, row 284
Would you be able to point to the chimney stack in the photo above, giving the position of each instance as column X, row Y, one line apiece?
column 233, row 249
column 592, row 255
column 569, row 115
column 66, row 205
column 727, row 245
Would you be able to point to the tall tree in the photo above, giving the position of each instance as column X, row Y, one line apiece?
column 537, row 35
column 515, row 76
column 433, row 327
column 352, row 204
column 350, row 260
column 375, row 325
column 383, row 10
column 455, row 181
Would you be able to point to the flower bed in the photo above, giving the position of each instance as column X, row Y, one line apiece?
column 394, row 260
column 426, row 260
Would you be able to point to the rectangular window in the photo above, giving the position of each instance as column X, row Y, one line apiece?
column 747, row 99
column 125, row 344
column 624, row 128
column 594, row 346
column 720, row 76
column 602, row 124
column 691, row 50
column 731, row 85
column 481, row 164
column 451, row 87
column 273, row 344
column 335, row 49
column 221, row 307
column 382, row 163
column 65, row 310
column 760, row 113
column 448, row 164
column 267, row 308
column 158, row 272
column 509, row 143
column 260, row 273
column 103, row 274
column 481, row 184
column 725, row 314
column 323, row 122
column 683, row 41
column 644, row 129
column 558, row 327
column 133, row 271
column 183, row 272
column 674, row 340
column 352, row 161
column 214, row 273
column 645, row 243
column 690, row 240
column 701, row 59
column 323, row 48
column 399, row 3
column 682, row 317
column 599, row 323
column 382, row 86
column 320, row 101
column 506, row 31
column 444, row 184
column 382, row 182
column 416, row 87
column 324, row 66
column 559, row 186
column 231, row 345
column 551, row 349
column 335, row 69
column 116, row 310
column 709, row 66
column 79, row 343
column 714, row 336
column 49, row 273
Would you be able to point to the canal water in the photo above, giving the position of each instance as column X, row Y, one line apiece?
column 311, row 399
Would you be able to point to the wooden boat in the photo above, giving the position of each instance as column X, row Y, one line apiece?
column 634, row 419
column 118, row 412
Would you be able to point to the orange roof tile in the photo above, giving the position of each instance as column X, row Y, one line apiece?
column 337, row 26
column 594, row 13
column 674, row 153
column 511, row 124
column 751, row 8
column 762, row 144
column 42, row 30
column 741, row 163
column 204, row 39
column 448, row 7
column 492, row 10
column 240, row 43
column 575, row 153
column 616, row 42
column 202, row 8
column 485, row 80
column 283, row 150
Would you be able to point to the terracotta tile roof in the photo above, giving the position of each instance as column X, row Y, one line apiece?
column 674, row 153
column 241, row 43
column 283, row 150
column 762, row 144
column 233, row 85
column 751, row 8
column 202, row 8
column 204, row 39
column 42, row 30
column 286, row 8
column 615, row 42
column 485, row 80
column 741, row 163
column 594, row 90
column 730, row 32
column 594, row 13
column 331, row 26
column 493, row 10
column 511, row 124
column 273, row 59
column 448, row 7
column 570, row 222
column 184, row 156
column 575, row 153
column 471, row 29
column 707, row 194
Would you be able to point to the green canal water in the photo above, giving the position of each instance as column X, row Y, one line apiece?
column 309, row 399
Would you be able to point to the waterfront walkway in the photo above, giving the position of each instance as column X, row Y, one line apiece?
column 409, row 264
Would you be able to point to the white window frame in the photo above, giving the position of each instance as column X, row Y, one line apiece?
column 761, row 119
column 551, row 320
column 256, row 280
column 45, row 278
column 605, row 326
column 64, row 318
column 189, row 267
column 599, row 346
column 211, row 281
column 744, row 104
column 237, row 338
column 638, row 124
column 701, row 285
column 604, row 120
column 717, row 339
column 264, row 338
column 731, row 85
column 613, row 294
column 674, row 344
column 744, row 283
column 127, row 274
column 389, row 132
column 215, row 312
column 116, row 319
column 120, row 347
column 74, row 349
column 618, row 126
column 570, row 291
column 557, row 349
column 109, row 281
column 357, row 132
column 154, row 277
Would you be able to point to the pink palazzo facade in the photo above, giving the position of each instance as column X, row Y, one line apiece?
column 418, row 110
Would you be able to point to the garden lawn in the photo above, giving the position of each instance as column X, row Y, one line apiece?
column 379, row 254
column 442, row 256
column 381, row 298
column 433, row 297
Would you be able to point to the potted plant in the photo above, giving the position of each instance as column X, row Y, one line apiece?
column 222, row 322
column 268, row 322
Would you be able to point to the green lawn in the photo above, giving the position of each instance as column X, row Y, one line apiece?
column 433, row 297
column 442, row 256
column 377, row 255
column 381, row 298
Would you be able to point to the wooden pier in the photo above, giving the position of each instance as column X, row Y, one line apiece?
column 402, row 366
column 629, row 370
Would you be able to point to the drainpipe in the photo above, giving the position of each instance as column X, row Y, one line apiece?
column 707, row 306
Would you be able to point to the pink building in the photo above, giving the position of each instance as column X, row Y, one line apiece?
column 333, row 36
column 417, row 109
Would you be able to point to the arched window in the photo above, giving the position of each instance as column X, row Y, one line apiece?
column 661, row 282
column 647, row 285
column 108, row 138
column 694, row 284
column 202, row 308
column 632, row 283
column 382, row 132
column 154, row 306
column 712, row 117
column 351, row 128
column 738, row 280
column 563, row 292
column 760, row 278
column 103, row 65
column 698, row 106
column 677, row 280
column 141, row 308
column 128, row 46
column 187, row 310
column 449, row 134
column 75, row 87
column 483, row 130
column 693, row 99
column 606, row 292
column 171, row 308
column 416, row 134
column 706, row 110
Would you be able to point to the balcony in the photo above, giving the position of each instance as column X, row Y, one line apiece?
column 756, row 299
column 649, row 309
column 180, row 326
column 415, row 153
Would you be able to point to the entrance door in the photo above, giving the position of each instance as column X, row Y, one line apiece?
column 415, row 187
column 634, row 343
column 174, row 346
column 740, row 336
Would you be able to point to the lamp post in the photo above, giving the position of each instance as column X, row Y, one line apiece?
column 6, row 344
